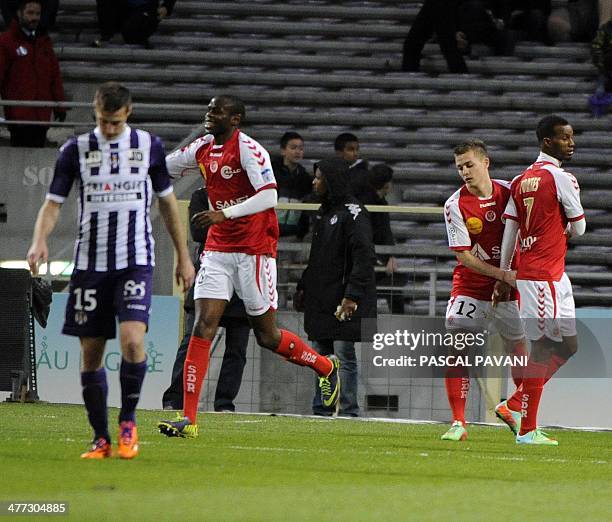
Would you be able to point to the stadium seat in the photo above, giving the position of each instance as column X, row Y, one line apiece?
column 302, row 65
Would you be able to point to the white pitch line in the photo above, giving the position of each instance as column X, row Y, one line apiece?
column 386, row 420
column 420, row 454
column 260, row 448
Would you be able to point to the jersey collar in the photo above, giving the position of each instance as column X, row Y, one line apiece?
column 102, row 139
column 543, row 157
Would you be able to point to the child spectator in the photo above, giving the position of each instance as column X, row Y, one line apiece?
column 293, row 184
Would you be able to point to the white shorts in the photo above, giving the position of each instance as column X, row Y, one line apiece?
column 547, row 308
column 252, row 277
column 467, row 313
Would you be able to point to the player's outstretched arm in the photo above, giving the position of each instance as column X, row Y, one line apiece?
column 45, row 223
column 184, row 272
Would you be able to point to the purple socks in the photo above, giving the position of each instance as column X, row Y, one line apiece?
column 131, row 376
column 95, row 392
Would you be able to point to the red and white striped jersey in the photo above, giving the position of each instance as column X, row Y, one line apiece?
column 544, row 199
column 475, row 224
column 232, row 172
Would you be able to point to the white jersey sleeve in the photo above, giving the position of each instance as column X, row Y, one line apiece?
column 457, row 232
column 568, row 193
column 183, row 161
column 256, row 163
column 510, row 210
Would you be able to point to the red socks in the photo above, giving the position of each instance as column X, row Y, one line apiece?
column 292, row 348
column 533, row 384
column 457, row 382
column 196, row 364
column 517, row 371
column 556, row 361
column 514, row 402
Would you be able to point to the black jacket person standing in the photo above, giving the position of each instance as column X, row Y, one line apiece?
column 338, row 288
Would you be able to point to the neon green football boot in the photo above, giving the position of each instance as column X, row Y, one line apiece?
column 456, row 432
column 180, row 427
column 330, row 386
column 536, row 437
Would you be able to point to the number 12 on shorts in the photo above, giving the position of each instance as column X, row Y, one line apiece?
column 470, row 309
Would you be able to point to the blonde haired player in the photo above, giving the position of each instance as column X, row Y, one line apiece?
column 475, row 229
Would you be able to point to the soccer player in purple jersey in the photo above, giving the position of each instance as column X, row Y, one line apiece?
column 117, row 169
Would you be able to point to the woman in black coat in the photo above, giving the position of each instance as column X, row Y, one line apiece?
column 338, row 288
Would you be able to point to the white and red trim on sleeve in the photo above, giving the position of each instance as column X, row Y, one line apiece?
column 456, row 231
column 183, row 161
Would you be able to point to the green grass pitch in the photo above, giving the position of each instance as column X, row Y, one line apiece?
column 250, row 467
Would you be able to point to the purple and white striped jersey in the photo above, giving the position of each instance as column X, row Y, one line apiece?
column 117, row 179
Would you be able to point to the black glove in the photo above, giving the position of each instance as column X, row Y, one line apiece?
column 59, row 115
column 42, row 295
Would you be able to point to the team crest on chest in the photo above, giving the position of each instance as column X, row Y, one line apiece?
column 490, row 216
column 135, row 158
column 114, row 158
column 333, row 220
column 214, row 167
column 93, row 158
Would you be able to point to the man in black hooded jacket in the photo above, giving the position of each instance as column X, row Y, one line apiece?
column 338, row 287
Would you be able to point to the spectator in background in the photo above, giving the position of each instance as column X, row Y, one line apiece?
column 136, row 20
column 457, row 25
column 293, row 184
column 439, row 18
column 601, row 53
column 346, row 147
column 380, row 178
column 526, row 17
column 478, row 24
column 575, row 22
column 338, row 290
column 8, row 8
column 234, row 321
column 29, row 70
